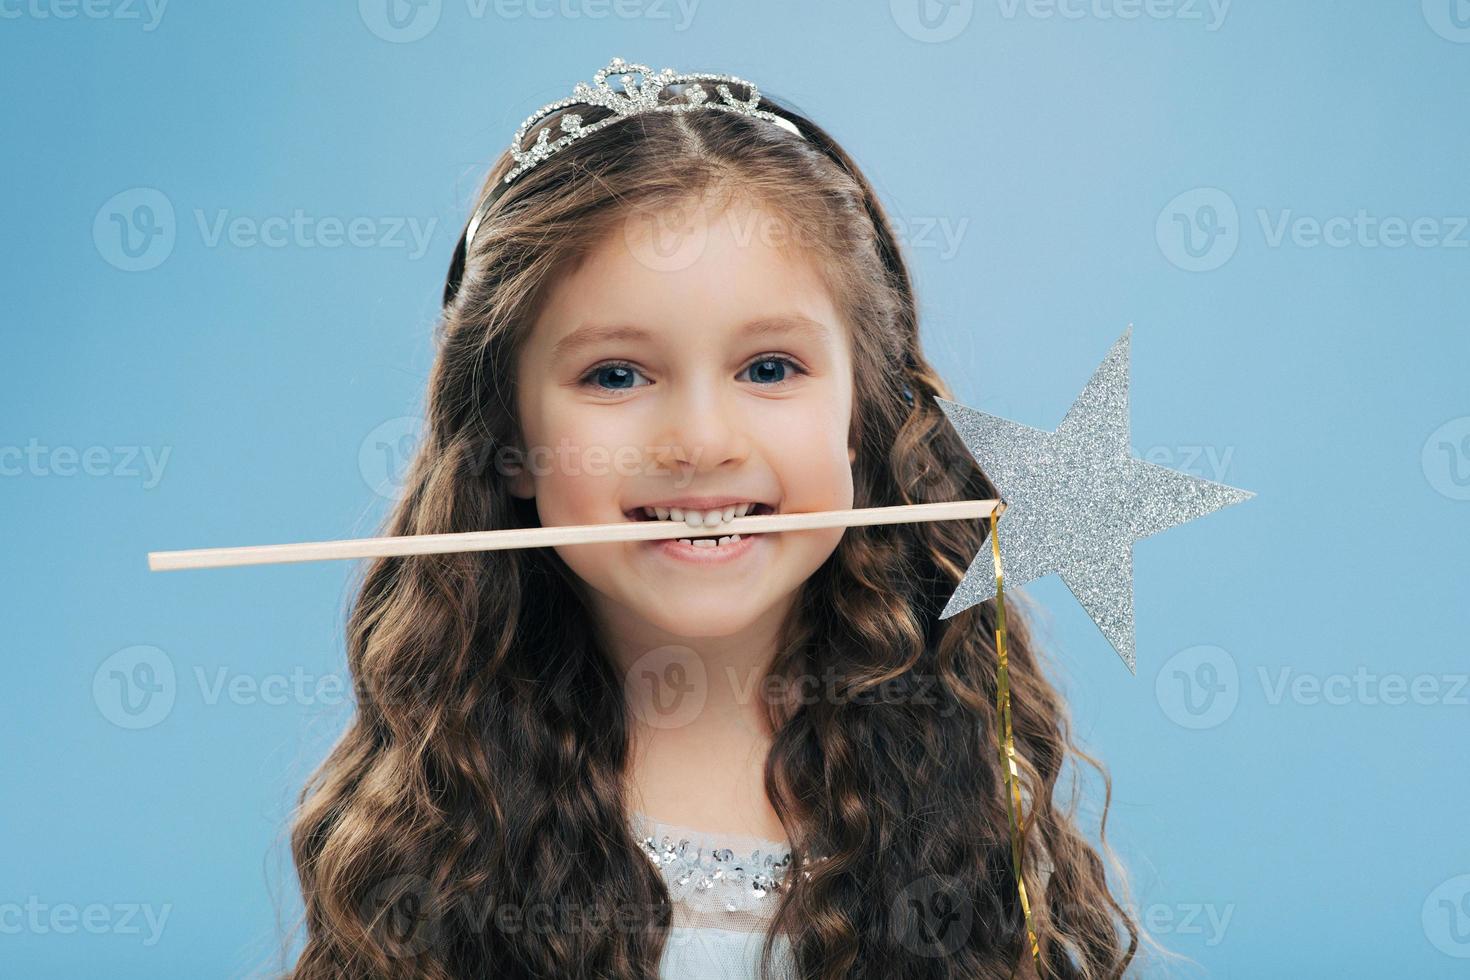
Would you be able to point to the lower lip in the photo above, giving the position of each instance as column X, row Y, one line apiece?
column 676, row 549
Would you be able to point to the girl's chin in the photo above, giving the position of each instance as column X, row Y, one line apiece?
column 700, row 619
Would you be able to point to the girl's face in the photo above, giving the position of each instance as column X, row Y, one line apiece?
column 690, row 374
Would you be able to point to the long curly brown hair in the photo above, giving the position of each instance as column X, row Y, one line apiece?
column 472, row 819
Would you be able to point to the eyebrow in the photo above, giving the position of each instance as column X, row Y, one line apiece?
column 592, row 334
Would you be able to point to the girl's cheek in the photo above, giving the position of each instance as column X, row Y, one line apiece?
column 803, row 437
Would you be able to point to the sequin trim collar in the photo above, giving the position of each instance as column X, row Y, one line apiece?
column 728, row 872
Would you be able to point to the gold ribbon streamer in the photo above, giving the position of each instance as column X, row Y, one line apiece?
column 1008, row 747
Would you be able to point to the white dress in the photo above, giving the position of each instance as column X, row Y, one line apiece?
column 723, row 898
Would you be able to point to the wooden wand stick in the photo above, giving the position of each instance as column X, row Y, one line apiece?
column 546, row 537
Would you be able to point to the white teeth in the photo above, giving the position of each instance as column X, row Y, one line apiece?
column 709, row 542
column 700, row 518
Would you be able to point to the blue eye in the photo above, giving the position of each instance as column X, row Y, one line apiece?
column 618, row 375
column 765, row 365
column 614, row 376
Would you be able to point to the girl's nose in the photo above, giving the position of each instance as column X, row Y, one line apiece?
column 704, row 432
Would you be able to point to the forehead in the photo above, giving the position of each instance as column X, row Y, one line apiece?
column 694, row 269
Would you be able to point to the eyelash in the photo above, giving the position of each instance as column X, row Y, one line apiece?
column 588, row 380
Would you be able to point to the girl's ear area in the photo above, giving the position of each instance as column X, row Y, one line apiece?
column 852, row 454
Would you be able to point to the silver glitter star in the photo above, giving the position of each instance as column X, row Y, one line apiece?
column 1076, row 500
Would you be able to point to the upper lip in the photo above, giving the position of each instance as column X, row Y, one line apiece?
column 701, row 503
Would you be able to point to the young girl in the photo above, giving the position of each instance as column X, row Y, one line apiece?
column 720, row 755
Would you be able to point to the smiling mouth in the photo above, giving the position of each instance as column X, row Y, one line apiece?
column 704, row 523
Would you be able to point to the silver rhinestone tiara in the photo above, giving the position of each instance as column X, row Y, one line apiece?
column 635, row 99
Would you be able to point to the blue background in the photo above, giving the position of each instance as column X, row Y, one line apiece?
column 1085, row 168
